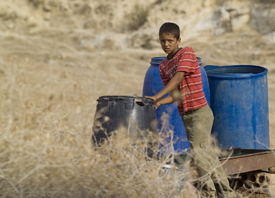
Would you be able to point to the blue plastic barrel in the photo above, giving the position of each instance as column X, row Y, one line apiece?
column 239, row 101
column 205, row 83
column 152, row 85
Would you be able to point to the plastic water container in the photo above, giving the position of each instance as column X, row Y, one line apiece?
column 136, row 114
column 239, row 101
column 152, row 85
column 204, row 81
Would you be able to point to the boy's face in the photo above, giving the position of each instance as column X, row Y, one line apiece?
column 169, row 43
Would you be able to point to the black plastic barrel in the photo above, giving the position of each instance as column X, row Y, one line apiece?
column 151, row 86
column 239, row 101
column 136, row 114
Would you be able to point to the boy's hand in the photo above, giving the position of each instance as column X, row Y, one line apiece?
column 152, row 97
column 157, row 103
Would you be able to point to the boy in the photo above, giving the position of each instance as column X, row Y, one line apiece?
column 181, row 77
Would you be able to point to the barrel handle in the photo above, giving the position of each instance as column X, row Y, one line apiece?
column 139, row 102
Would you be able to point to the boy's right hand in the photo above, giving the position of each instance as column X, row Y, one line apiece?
column 152, row 97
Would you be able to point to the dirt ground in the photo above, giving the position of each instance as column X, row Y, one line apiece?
column 48, row 78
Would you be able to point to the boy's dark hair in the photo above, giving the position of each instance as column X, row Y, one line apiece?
column 171, row 28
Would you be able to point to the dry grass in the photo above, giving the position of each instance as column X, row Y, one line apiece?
column 45, row 143
column 57, row 163
column 46, row 148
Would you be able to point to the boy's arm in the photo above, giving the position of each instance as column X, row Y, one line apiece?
column 172, row 97
column 167, row 100
column 173, row 84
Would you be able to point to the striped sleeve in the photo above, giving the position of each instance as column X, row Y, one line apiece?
column 187, row 61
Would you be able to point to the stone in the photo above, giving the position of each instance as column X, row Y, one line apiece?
column 262, row 18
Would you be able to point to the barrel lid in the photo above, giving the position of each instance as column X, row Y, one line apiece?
column 235, row 71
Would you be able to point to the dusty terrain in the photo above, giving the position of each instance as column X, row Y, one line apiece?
column 58, row 57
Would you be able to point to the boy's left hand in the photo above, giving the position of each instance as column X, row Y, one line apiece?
column 157, row 104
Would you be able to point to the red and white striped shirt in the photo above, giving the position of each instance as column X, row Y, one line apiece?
column 191, row 86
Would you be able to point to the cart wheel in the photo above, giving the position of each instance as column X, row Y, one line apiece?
column 271, row 169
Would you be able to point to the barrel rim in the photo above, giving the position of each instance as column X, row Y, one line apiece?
column 123, row 97
column 157, row 59
column 236, row 76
